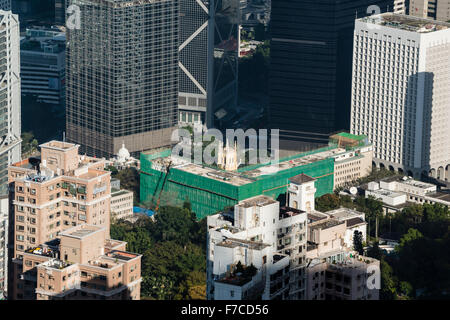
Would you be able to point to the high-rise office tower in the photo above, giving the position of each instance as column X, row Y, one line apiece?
column 310, row 72
column 433, row 9
column 60, row 12
column 10, row 142
column 401, row 90
column 208, row 59
column 122, row 75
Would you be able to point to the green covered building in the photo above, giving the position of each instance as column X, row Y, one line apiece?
column 210, row 189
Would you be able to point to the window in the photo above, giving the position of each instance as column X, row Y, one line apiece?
column 231, row 293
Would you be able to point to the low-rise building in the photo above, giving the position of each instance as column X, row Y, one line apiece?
column 121, row 204
column 262, row 251
column 82, row 263
column 355, row 162
column 397, row 193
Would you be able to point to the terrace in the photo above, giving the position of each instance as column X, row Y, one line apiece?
column 407, row 23
column 287, row 212
column 121, row 255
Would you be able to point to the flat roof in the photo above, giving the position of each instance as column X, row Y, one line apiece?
column 344, row 213
column 81, row 231
column 258, row 201
column 444, row 196
column 301, row 178
column 327, row 224
column 233, row 243
column 407, row 23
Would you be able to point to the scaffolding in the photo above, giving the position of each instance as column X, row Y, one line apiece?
column 209, row 195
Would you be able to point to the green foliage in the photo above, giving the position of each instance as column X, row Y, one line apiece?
column 113, row 170
column 327, row 202
column 422, row 259
column 388, row 282
column 357, row 242
column 129, row 180
column 173, row 249
column 374, row 251
column 29, row 143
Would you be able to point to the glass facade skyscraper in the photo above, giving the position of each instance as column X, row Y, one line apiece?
column 122, row 75
column 311, row 65
column 208, row 58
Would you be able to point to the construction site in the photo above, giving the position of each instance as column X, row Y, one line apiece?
column 173, row 180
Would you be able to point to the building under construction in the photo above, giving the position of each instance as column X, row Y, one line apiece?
column 172, row 180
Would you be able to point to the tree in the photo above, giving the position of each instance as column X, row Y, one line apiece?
column 388, row 282
column 130, row 180
column 357, row 242
column 375, row 251
column 113, row 170
column 327, row 202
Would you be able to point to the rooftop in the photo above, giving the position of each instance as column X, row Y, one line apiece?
column 386, row 193
column 344, row 213
column 234, row 243
column 316, row 216
column 258, row 201
column 81, row 231
column 244, row 175
column 443, row 196
column 287, row 212
column 122, row 255
column 327, row 224
column 354, row 222
column 301, row 178
column 406, row 23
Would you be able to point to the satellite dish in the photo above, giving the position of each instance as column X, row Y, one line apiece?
column 353, row 190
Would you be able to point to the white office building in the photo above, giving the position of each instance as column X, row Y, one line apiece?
column 10, row 142
column 401, row 90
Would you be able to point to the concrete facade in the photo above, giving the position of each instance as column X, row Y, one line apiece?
column 401, row 90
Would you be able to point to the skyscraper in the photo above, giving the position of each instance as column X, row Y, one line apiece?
column 401, row 90
column 311, row 65
column 122, row 75
column 60, row 12
column 208, row 58
column 10, row 142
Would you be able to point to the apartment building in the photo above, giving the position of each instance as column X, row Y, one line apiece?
column 342, row 280
column 401, row 90
column 278, row 242
column 83, row 263
column 334, row 271
column 60, row 190
column 43, row 65
column 433, row 9
column 262, row 234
